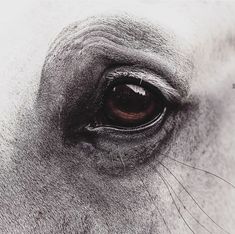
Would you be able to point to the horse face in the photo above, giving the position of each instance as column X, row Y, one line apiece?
column 126, row 124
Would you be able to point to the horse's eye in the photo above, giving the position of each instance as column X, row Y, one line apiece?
column 131, row 105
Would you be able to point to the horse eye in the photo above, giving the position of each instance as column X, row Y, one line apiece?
column 130, row 105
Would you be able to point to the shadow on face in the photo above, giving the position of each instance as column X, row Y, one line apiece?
column 130, row 126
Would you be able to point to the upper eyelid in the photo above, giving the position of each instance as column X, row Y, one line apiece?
column 63, row 80
column 171, row 94
column 95, row 35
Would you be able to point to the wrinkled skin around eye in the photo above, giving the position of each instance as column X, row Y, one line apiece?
column 176, row 177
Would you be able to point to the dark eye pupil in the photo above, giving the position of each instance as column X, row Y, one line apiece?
column 130, row 98
column 131, row 105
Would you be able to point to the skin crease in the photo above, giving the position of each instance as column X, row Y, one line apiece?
column 53, row 182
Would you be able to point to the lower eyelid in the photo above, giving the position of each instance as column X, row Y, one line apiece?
column 100, row 129
column 131, row 147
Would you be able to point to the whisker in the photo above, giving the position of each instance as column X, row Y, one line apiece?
column 178, row 209
column 182, row 202
column 202, row 170
column 122, row 162
column 198, row 205
column 153, row 202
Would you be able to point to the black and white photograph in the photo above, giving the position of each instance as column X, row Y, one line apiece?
column 117, row 117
